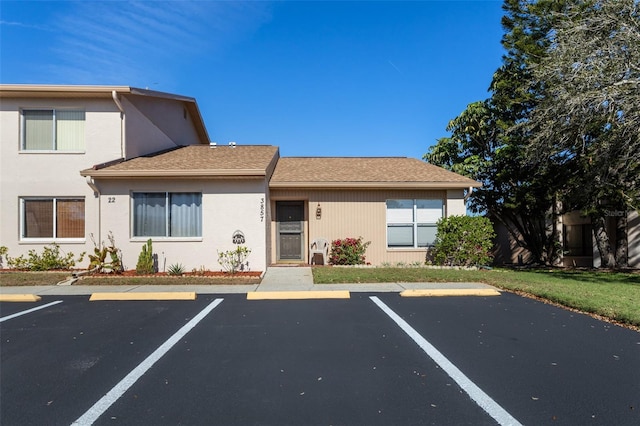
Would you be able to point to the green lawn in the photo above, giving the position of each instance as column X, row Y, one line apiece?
column 614, row 295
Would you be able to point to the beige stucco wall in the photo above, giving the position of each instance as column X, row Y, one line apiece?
column 358, row 213
column 154, row 124
column 149, row 128
column 227, row 206
column 52, row 174
column 506, row 249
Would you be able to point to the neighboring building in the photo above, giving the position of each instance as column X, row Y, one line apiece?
column 579, row 245
column 579, row 248
column 80, row 162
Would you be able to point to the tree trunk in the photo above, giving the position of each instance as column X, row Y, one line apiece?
column 607, row 259
column 622, row 257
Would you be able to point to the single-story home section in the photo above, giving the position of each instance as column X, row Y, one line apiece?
column 193, row 202
column 392, row 202
column 196, row 201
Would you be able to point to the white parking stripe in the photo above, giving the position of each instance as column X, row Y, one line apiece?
column 492, row 408
column 17, row 314
column 118, row 390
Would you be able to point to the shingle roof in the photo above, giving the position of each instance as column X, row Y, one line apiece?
column 195, row 161
column 294, row 172
column 364, row 172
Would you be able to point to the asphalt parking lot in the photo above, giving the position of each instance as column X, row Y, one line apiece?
column 373, row 359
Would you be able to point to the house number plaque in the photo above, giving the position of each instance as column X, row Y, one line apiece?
column 238, row 238
column 261, row 209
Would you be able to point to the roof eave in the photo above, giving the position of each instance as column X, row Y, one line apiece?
column 375, row 185
column 31, row 90
column 235, row 173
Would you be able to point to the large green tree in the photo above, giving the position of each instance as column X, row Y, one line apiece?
column 560, row 130
column 486, row 145
column 588, row 120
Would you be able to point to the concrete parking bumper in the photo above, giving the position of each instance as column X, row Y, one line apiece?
column 19, row 298
column 298, row 295
column 167, row 295
column 441, row 292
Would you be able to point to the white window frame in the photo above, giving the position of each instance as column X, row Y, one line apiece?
column 166, row 237
column 54, row 141
column 414, row 222
column 55, row 238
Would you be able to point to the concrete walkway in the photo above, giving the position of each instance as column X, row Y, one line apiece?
column 275, row 279
column 287, row 278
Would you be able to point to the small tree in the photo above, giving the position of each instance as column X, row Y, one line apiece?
column 235, row 260
column 145, row 263
column 348, row 251
column 463, row 241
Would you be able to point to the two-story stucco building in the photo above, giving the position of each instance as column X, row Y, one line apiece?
column 78, row 163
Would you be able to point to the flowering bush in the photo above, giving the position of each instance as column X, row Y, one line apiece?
column 349, row 251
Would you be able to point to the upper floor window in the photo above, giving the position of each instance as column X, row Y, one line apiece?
column 167, row 214
column 52, row 130
column 412, row 223
column 52, row 218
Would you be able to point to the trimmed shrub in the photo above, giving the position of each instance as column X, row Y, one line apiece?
column 51, row 258
column 349, row 251
column 463, row 241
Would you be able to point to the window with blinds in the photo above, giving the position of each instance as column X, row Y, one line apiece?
column 167, row 214
column 52, row 218
column 53, row 130
column 412, row 223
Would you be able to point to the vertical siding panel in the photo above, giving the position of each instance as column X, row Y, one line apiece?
column 355, row 213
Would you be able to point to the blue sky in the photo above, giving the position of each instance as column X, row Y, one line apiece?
column 315, row 78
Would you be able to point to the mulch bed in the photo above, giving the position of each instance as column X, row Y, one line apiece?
column 204, row 274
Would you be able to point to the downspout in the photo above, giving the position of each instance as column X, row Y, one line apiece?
column 96, row 192
column 123, row 122
column 466, row 197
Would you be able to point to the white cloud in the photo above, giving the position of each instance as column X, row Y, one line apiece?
column 135, row 42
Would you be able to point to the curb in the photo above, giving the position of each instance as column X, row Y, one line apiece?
column 450, row 292
column 298, row 295
column 19, row 298
column 185, row 295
